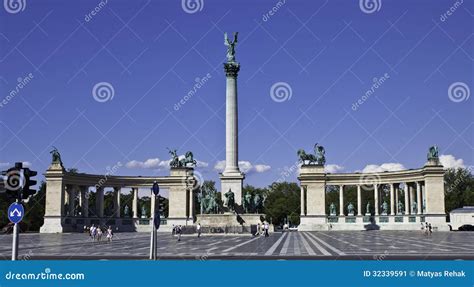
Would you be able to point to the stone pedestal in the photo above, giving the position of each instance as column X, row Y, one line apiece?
column 313, row 178
column 54, row 208
column 229, row 222
column 233, row 182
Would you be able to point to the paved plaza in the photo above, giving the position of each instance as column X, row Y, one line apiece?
column 339, row 245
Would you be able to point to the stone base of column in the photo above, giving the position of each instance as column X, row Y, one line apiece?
column 313, row 223
column 52, row 224
column 233, row 182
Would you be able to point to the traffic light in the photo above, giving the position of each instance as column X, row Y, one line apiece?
column 13, row 181
column 29, row 183
column 161, row 204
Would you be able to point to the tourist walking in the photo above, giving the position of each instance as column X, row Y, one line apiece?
column 178, row 231
column 99, row 234
column 430, row 229
column 199, row 229
column 93, row 232
column 422, row 228
column 173, row 230
column 110, row 234
column 266, row 226
column 258, row 229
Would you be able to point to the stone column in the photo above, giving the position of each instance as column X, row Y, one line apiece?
column 71, row 195
column 341, row 200
column 359, row 201
column 117, row 201
column 85, row 201
column 191, row 204
column 407, row 201
column 376, row 199
column 397, row 188
column 135, row 202
column 392, row 199
column 232, row 178
column 412, row 199
column 418, row 198
column 99, row 201
column 302, row 203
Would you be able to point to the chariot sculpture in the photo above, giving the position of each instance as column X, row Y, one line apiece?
column 176, row 162
column 318, row 158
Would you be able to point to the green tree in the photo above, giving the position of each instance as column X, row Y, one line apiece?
column 459, row 188
column 283, row 202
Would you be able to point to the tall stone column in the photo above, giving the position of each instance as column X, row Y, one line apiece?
column 392, row 199
column 412, row 199
column 341, row 200
column 359, row 201
column 135, row 202
column 99, row 201
column 418, row 198
column 231, row 177
column 376, row 199
column 407, row 202
column 302, row 203
column 117, row 201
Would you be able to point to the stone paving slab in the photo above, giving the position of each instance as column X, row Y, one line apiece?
column 376, row 245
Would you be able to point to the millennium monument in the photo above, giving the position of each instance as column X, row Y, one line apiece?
column 397, row 200
column 231, row 177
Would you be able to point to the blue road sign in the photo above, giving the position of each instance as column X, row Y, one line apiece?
column 16, row 212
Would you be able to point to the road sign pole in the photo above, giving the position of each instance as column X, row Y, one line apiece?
column 15, row 242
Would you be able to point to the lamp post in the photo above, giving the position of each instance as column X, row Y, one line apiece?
column 155, row 190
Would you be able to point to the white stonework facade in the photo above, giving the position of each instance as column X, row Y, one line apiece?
column 423, row 199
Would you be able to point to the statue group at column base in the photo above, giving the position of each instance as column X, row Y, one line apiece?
column 229, row 222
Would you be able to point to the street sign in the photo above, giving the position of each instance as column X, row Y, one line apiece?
column 16, row 212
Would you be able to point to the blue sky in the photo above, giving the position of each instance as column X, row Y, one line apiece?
column 326, row 54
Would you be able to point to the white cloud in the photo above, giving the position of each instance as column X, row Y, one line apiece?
column 333, row 168
column 262, row 168
column 244, row 166
column 449, row 161
column 390, row 166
